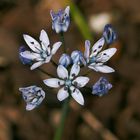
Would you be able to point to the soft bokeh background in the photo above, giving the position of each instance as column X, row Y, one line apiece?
column 115, row 116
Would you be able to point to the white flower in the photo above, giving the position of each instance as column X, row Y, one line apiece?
column 70, row 83
column 33, row 96
column 41, row 53
column 96, row 59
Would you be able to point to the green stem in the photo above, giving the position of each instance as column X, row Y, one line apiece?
column 63, row 41
column 59, row 131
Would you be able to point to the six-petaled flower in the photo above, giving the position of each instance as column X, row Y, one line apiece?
column 33, row 96
column 95, row 59
column 69, row 83
column 41, row 53
column 25, row 61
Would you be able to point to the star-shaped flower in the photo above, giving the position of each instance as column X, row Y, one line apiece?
column 33, row 96
column 70, row 83
column 41, row 53
column 60, row 20
column 95, row 59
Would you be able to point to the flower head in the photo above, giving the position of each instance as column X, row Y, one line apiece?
column 33, row 96
column 41, row 53
column 96, row 59
column 60, row 20
column 77, row 57
column 65, row 60
column 109, row 34
column 101, row 87
column 70, row 83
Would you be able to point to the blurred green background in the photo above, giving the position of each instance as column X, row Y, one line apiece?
column 114, row 116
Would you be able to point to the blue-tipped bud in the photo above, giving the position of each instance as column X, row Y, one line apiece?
column 77, row 57
column 24, row 60
column 101, row 87
column 65, row 60
column 60, row 20
column 33, row 96
column 109, row 34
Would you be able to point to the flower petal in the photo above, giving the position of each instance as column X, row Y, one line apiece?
column 62, row 72
column 74, row 71
column 35, row 65
column 30, row 55
column 80, row 81
column 67, row 10
column 32, row 43
column 62, row 94
column 77, row 95
column 53, row 82
column 30, row 107
column 44, row 40
column 55, row 47
column 53, row 15
column 97, row 47
column 93, row 67
column 87, row 49
column 102, row 68
column 47, row 60
column 105, row 55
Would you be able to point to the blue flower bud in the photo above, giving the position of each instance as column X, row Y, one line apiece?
column 77, row 57
column 33, row 96
column 101, row 87
column 65, row 60
column 60, row 20
column 24, row 60
column 109, row 34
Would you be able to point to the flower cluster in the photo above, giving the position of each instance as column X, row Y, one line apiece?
column 68, row 67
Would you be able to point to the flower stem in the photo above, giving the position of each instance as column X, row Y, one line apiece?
column 59, row 131
column 54, row 64
column 41, row 70
column 63, row 41
column 87, row 73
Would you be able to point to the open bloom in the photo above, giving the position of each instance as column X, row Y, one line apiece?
column 70, row 83
column 41, row 53
column 109, row 34
column 95, row 59
column 33, row 96
column 101, row 87
column 60, row 20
